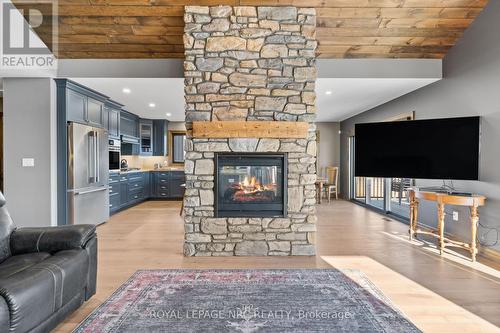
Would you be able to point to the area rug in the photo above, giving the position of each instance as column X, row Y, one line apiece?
column 325, row 300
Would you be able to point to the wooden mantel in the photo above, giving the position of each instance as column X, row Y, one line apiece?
column 250, row 129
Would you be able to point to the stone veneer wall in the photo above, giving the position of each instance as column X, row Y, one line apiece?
column 250, row 63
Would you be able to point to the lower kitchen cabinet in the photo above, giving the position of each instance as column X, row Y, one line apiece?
column 129, row 189
column 114, row 192
column 123, row 191
column 177, row 178
column 146, row 177
column 167, row 184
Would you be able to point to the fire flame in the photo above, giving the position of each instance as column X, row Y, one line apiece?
column 252, row 185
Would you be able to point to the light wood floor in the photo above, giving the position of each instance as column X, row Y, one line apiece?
column 439, row 294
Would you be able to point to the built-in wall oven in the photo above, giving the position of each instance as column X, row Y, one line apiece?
column 114, row 155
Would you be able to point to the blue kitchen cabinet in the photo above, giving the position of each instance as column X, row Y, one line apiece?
column 95, row 112
column 112, row 118
column 135, row 187
column 167, row 184
column 129, row 125
column 176, row 179
column 160, row 137
column 114, row 192
column 146, row 137
column 162, row 188
column 75, row 106
column 129, row 132
column 82, row 105
column 129, row 189
column 123, row 191
column 147, row 184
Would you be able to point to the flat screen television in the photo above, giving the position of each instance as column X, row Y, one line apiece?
column 421, row 149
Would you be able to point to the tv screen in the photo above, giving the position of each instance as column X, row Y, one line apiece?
column 422, row 149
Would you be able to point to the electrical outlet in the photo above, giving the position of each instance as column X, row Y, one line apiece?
column 28, row 162
column 455, row 215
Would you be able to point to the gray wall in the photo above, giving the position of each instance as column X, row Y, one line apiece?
column 471, row 87
column 329, row 145
column 29, row 132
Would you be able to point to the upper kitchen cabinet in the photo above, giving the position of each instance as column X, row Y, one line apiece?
column 129, row 124
column 81, row 104
column 95, row 112
column 112, row 115
column 146, row 135
column 160, row 144
column 75, row 106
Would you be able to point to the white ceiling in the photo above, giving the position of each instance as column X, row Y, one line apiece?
column 348, row 98
column 167, row 94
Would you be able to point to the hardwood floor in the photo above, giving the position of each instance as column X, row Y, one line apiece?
column 439, row 294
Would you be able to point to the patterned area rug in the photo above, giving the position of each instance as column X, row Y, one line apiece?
column 325, row 300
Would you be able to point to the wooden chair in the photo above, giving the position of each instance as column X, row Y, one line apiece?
column 331, row 186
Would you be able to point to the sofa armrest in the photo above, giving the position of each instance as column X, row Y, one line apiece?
column 51, row 239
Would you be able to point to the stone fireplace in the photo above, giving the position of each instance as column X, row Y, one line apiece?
column 250, row 191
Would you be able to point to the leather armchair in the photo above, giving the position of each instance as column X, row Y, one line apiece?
column 45, row 273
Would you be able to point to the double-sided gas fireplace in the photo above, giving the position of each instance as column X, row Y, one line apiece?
column 250, row 185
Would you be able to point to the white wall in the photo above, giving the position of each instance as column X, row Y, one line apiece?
column 30, row 132
column 329, row 145
column 176, row 126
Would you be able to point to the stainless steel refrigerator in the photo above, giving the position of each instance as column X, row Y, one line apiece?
column 88, row 173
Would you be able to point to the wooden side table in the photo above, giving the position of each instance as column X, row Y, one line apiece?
column 443, row 199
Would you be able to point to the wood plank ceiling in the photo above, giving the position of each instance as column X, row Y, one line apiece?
column 346, row 28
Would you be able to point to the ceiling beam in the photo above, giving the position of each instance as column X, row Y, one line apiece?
column 327, row 68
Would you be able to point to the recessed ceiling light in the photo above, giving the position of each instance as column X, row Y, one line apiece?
column 168, row 114
column 152, row 105
column 328, row 92
column 126, row 90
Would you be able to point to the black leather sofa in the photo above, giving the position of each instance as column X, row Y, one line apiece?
column 45, row 273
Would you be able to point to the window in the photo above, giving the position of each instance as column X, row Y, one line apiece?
column 177, row 149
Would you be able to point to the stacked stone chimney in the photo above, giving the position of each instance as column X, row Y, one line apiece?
column 250, row 63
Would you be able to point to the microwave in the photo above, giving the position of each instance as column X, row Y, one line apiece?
column 114, row 155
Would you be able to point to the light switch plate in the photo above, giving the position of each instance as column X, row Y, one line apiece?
column 28, row 162
column 455, row 216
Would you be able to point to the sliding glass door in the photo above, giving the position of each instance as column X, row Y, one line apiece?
column 360, row 189
column 399, row 200
column 386, row 194
column 357, row 185
column 375, row 192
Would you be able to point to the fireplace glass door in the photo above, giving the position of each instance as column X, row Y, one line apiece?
column 250, row 185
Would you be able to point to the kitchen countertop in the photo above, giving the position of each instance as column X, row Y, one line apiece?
column 147, row 170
